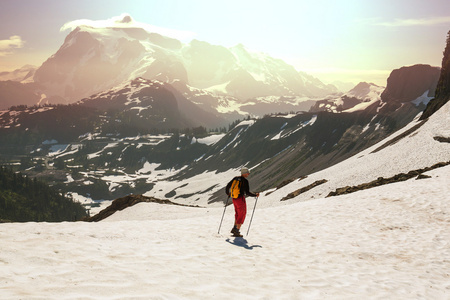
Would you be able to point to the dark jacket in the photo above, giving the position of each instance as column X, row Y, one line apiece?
column 245, row 187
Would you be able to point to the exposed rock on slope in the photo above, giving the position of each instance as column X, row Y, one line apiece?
column 304, row 189
column 443, row 86
column 124, row 202
column 409, row 83
column 382, row 181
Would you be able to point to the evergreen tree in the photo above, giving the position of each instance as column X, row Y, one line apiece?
column 24, row 200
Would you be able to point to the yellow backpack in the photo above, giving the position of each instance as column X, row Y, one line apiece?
column 235, row 189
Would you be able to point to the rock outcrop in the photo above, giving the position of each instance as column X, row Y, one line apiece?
column 124, row 202
column 409, row 83
column 443, row 87
column 304, row 189
column 383, row 181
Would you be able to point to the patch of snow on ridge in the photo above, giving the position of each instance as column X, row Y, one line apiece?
column 246, row 123
column 210, row 140
column 277, row 136
column 235, row 137
column 309, row 122
column 362, row 106
column 422, row 99
column 40, row 109
column 302, row 125
column 228, row 105
column 220, row 88
column 98, row 153
column 148, row 168
column 368, row 124
column 58, row 149
column 288, row 116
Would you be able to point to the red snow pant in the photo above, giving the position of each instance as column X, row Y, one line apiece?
column 240, row 208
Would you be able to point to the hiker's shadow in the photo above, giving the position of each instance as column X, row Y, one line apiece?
column 241, row 242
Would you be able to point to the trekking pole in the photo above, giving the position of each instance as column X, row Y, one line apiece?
column 252, row 216
column 223, row 214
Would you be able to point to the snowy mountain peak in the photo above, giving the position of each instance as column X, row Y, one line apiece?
column 366, row 91
column 359, row 98
column 99, row 55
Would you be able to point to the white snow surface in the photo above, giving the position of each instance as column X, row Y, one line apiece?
column 209, row 140
column 423, row 99
column 58, row 149
column 388, row 242
column 367, row 93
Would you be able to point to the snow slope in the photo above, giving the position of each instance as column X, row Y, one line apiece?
column 389, row 242
column 417, row 150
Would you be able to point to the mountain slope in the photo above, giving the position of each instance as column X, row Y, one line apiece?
column 412, row 85
column 26, row 200
column 359, row 98
column 25, row 127
column 118, row 141
column 279, row 148
column 409, row 83
column 443, row 86
column 151, row 104
column 387, row 242
column 23, row 75
column 13, row 93
column 417, row 149
column 95, row 59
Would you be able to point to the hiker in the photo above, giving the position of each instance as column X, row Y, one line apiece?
column 240, row 207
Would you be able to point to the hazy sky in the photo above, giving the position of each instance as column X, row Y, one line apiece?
column 347, row 40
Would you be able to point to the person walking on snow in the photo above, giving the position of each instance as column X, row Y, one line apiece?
column 240, row 206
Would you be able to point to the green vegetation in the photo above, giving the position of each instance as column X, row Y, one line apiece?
column 24, row 200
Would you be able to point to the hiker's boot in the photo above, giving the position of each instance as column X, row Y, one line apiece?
column 236, row 232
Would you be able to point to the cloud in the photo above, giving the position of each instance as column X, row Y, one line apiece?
column 416, row 22
column 126, row 21
column 8, row 46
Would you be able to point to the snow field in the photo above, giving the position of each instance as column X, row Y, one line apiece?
column 390, row 242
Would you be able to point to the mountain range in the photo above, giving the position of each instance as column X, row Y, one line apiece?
column 101, row 59
column 151, row 107
column 111, row 133
column 93, row 60
column 353, row 186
